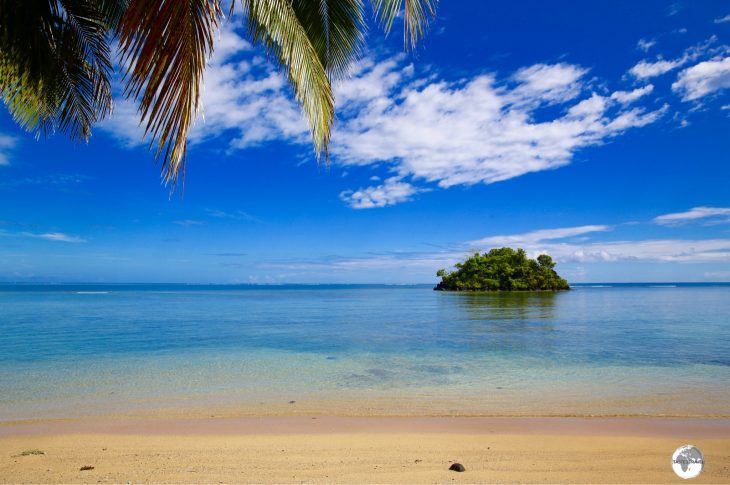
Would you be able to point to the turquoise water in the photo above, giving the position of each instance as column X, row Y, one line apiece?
column 601, row 349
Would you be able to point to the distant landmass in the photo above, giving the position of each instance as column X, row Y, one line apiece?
column 503, row 269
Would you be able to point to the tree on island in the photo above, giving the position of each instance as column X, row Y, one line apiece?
column 503, row 269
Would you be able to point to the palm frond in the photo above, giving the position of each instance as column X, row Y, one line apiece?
column 113, row 11
column 416, row 16
column 166, row 44
column 25, row 51
column 336, row 29
column 84, row 90
column 54, row 65
column 275, row 24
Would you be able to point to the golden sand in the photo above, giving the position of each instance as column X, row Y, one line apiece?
column 357, row 450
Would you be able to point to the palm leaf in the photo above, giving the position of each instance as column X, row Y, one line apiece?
column 166, row 44
column 275, row 24
column 84, row 89
column 416, row 15
column 336, row 30
column 54, row 64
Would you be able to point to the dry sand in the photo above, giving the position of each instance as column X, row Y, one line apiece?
column 339, row 449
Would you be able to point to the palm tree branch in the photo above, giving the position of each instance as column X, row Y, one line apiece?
column 55, row 65
column 416, row 16
column 166, row 44
column 275, row 24
column 336, row 30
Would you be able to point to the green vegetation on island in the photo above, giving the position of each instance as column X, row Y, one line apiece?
column 503, row 269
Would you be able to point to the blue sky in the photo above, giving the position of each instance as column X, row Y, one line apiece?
column 599, row 133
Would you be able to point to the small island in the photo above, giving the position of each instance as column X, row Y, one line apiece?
column 503, row 269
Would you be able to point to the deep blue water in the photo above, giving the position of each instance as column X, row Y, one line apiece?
column 67, row 347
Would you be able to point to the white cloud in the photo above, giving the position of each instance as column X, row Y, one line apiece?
column 547, row 83
column 627, row 97
column 55, row 236
column 703, row 78
column 424, row 130
column 648, row 69
column 237, row 215
column 709, row 214
column 645, row 44
column 390, row 192
column 188, row 223
column 674, row 9
column 243, row 97
column 7, row 144
column 396, row 263
column 370, row 80
column 667, row 250
column 480, row 130
column 539, row 236
column 722, row 20
column 565, row 245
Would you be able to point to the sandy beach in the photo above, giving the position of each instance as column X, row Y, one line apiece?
column 288, row 449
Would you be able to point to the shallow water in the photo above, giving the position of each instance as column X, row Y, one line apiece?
column 607, row 350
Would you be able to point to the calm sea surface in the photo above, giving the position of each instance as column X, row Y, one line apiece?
column 132, row 349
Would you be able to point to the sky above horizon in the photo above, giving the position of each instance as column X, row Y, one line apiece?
column 598, row 133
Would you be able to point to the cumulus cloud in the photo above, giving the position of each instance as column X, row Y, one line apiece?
column 712, row 215
column 390, row 192
column 722, row 20
column 703, row 79
column 547, row 83
column 646, row 69
column 627, row 97
column 481, row 130
column 423, row 130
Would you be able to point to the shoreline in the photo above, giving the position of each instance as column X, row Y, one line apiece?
column 654, row 426
column 498, row 403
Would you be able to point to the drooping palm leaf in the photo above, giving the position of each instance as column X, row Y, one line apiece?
column 54, row 64
column 84, row 93
column 336, row 29
column 416, row 16
column 166, row 44
column 275, row 24
column 113, row 11
column 55, row 67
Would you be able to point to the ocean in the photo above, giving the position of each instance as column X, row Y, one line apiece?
column 603, row 349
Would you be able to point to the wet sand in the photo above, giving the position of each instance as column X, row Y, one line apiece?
column 323, row 449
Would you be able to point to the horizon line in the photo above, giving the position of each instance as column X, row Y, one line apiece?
column 129, row 283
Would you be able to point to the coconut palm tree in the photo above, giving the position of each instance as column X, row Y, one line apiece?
column 56, row 59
